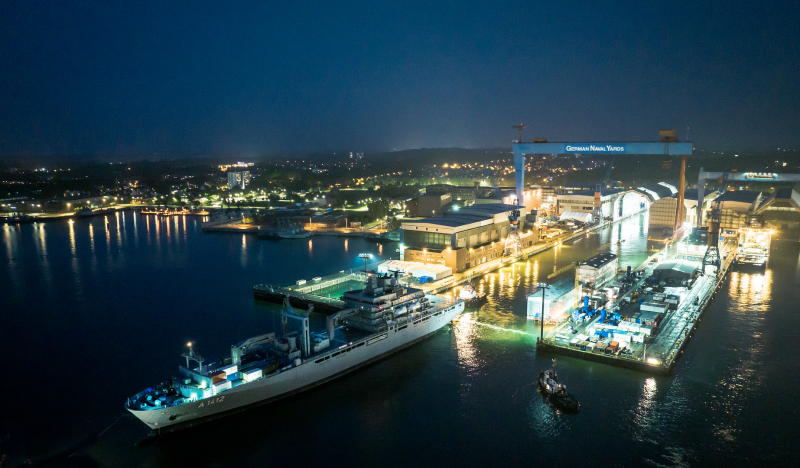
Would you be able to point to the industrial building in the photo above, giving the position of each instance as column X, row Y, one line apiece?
column 459, row 193
column 428, row 205
column 598, row 270
column 461, row 239
column 441, row 197
column 677, row 271
column 559, row 298
column 584, row 201
column 661, row 220
column 779, row 211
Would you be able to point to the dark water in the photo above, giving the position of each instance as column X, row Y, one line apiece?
column 96, row 310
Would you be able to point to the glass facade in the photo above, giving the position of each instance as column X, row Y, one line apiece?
column 426, row 240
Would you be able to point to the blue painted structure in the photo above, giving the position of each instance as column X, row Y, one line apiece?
column 521, row 149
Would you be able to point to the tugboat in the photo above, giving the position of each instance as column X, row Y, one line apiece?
column 557, row 392
column 472, row 299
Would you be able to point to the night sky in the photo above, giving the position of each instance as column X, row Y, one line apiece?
column 147, row 78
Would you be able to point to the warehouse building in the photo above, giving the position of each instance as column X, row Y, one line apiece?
column 662, row 210
column 558, row 299
column 598, row 270
column 461, row 239
column 779, row 211
column 677, row 271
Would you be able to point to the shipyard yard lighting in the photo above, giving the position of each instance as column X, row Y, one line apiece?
column 365, row 256
column 543, row 287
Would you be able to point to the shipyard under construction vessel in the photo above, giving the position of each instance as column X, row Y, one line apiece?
column 380, row 319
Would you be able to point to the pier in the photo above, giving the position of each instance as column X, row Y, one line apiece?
column 658, row 353
column 323, row 292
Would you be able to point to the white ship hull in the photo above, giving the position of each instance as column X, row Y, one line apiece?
column 315, row 371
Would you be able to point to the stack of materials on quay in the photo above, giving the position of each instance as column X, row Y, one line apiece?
column 673, row 300
column 627, row 332
column 658, row 307
column 581, row 342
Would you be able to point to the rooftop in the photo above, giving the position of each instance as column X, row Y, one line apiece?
column 480, row 213
column 599, row 260
column 741, row 196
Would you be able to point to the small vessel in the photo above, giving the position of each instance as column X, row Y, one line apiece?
column 472, row 298
column 557, row 392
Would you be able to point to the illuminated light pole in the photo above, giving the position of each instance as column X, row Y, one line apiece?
column 543, row 287
column 365, row 256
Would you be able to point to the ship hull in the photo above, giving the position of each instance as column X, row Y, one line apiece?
column 316, row 371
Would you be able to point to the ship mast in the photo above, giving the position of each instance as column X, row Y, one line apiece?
column 194, row 357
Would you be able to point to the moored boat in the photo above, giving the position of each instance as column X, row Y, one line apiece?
column 557, row 392
column 379, row 320
column 472, row 298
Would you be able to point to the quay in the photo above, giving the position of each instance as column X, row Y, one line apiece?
column 323, row 292
column 659, row 353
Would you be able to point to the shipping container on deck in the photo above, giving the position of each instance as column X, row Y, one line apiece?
column 222, row 385
column 252, row 374
column 229, row 370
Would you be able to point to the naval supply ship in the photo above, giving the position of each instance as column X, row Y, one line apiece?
column 379, row 320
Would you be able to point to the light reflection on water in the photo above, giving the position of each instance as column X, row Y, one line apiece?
column 747, row 378
column 644, row 413
column 508, row 288
column 464, row 334
column 630, row 418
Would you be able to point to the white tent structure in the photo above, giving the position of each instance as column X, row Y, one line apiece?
column 436, row 272
column 584, row 217
column 390, row 266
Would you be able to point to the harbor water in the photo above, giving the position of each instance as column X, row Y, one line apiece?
column 96, row 309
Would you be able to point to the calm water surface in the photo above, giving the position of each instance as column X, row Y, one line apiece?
column 97, row 309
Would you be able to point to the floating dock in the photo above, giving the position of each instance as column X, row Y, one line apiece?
column 661, row 345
